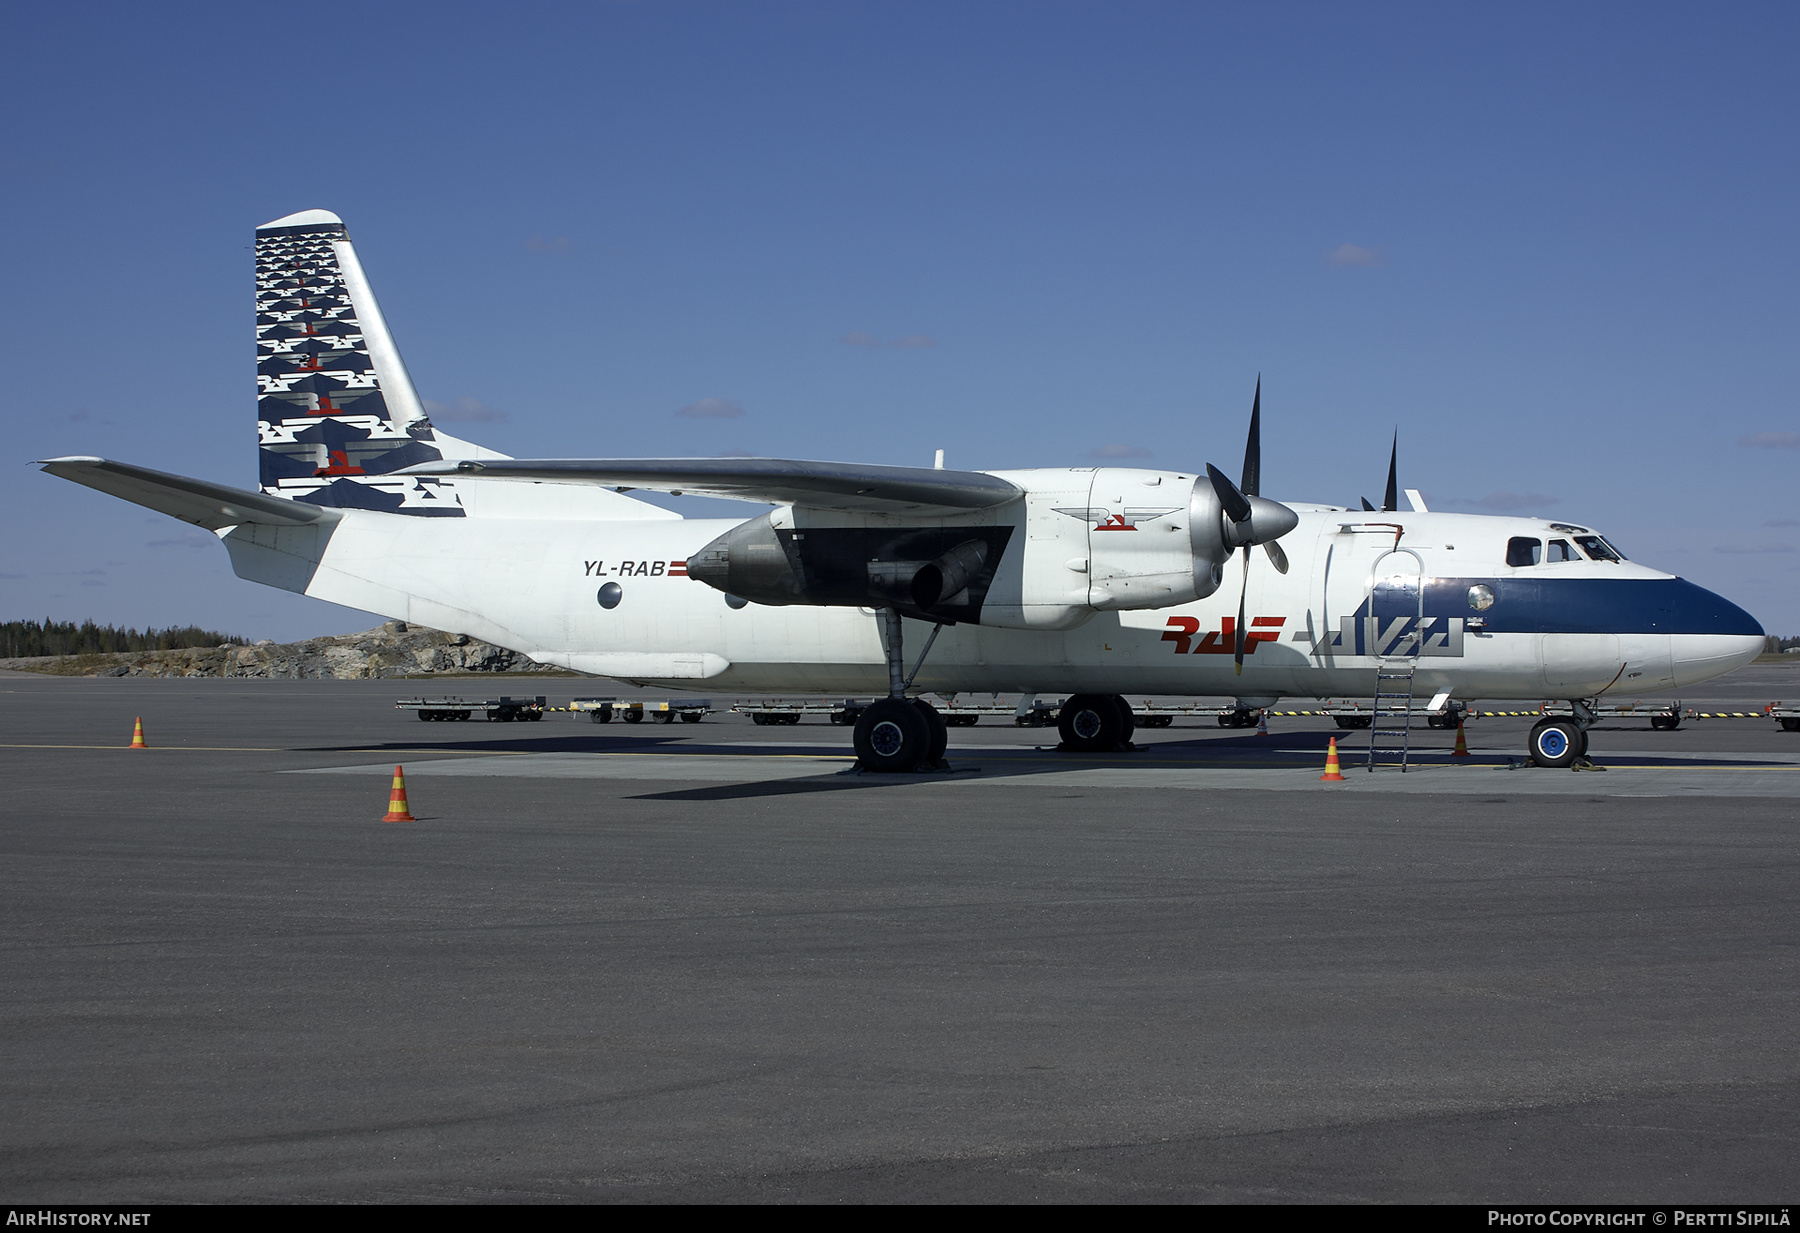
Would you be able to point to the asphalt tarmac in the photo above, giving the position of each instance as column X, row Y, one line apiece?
column 703, row 963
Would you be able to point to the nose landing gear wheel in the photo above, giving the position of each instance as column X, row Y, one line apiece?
column 1557, row 743
column 1091, row 723
column 892, row 736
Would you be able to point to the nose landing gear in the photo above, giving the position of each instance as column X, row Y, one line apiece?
column 1561, row 743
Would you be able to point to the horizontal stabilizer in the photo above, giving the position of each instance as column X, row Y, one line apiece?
column 209, row 505
column 854, row 487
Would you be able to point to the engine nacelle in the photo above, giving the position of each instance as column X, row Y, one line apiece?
column 1079, row 541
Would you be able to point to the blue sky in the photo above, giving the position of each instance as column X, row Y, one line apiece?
column 1555, row 246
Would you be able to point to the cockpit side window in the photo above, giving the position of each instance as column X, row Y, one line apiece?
column 1598, row 548
column 1561, row 551
column 1523, row 551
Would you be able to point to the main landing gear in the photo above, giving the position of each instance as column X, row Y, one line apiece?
column 1096, row 723
column 897, row 733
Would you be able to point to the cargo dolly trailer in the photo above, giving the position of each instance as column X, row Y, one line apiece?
column 498, row 710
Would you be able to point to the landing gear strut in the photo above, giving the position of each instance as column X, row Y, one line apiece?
column 895, row 733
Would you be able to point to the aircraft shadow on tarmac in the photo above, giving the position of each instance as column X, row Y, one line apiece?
column 1239, row 751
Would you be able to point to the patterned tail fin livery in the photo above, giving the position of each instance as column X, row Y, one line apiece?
column 337, row 413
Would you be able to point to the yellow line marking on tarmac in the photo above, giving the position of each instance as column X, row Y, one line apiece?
column 264, row 749
column 969, row 753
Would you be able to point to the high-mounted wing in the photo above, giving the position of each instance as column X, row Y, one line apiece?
column 851, row 487
column 205, row 504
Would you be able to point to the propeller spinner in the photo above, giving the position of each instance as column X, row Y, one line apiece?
column 1250, row 518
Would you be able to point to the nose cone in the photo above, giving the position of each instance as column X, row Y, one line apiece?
column 1701, row 657
column 1721, row 637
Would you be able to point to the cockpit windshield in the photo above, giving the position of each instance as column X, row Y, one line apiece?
column 1597, row 547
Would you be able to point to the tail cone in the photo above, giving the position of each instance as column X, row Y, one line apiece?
column 397, row 811
column 1332, row 770
column 137, row 735
column 1462, row 746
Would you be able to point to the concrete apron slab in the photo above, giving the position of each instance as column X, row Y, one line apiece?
column 1737, row 775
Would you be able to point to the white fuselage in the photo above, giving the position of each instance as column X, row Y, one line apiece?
column 1561, row 629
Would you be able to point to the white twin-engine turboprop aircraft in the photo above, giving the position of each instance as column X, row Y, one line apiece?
column 1091, row 581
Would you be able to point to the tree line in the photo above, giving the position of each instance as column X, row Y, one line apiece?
column 19, row 639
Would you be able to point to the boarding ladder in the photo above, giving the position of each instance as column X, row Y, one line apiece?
column 1390, row 722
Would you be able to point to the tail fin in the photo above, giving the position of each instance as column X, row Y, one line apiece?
column 336, row 408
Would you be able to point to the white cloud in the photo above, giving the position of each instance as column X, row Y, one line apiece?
column 1354, row 254
column 856, row 338
column 1771, row 440
column 712, row 409
column 1119, row 451
column 1505, row 502
column 464, row 411
column 911, row 342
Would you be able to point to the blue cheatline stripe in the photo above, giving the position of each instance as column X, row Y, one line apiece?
column 1581, row 606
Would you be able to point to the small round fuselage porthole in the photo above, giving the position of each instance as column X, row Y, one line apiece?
column 1481, row 597
column 610, row 595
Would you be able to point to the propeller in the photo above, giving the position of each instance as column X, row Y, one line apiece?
column 1246, row 523
column 1391, row 501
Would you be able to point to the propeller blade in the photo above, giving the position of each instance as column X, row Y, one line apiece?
column 1252, row 484
column 1243, row 593
column 1391, row 502
column 1237, row 507
column 1277, row 557
column 1367, row 508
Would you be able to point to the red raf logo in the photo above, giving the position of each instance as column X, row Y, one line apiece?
column 1221, row 641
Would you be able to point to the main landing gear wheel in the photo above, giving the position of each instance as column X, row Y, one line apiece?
column 1092, row 723
column 1556, row 743
column 892, row 736
column 939, row 729
column 1129, row 720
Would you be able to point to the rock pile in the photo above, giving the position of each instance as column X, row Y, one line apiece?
column 390, row 650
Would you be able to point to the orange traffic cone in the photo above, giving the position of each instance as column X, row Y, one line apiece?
column 1331, row 763
column 397, row 811
column 1462, row 746
column 137, row 735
